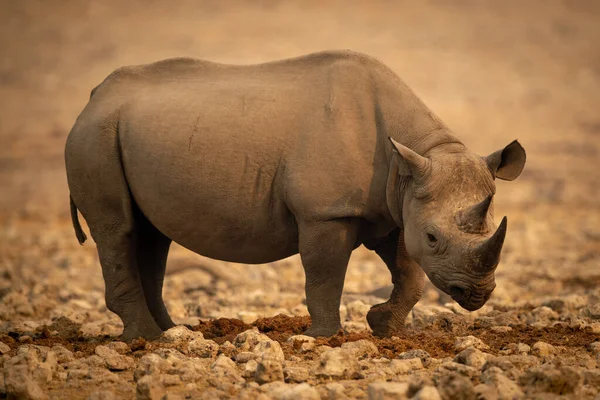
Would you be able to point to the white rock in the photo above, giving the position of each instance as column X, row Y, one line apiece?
column 471, row 357
column 461, row 343
column 101, row 395
column 357, row 311
column 337, row 363
column 19, row 383
column 269, row 369
column 250, row 368
column 247, row 317
column 363, row 348
column 180, row 333
column 270, row 349
column 149, row 388
column 403, row 367
column 427, row 393
column 506, row 388
column 335, row 391
column 355, row 326
column 4, row 348
column 306, row 343
column 299, row 392
column 114, row 361
column 63, row 355
column 245, row 356
column 542, row 349
column 293, row 374
column 387, row 390
column 203, row 348
column 247, row 340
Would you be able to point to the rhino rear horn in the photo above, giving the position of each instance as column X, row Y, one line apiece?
column 488, row 252
column 473, row 219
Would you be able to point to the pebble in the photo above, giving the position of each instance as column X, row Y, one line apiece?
column 461, row 343
column 337, row 363
column 180, row 333
column 203, row 348
column 471, row 357
column 542, row 349
column 387, row 390
column 293, row 374
column 269, row 369
column 113, row 360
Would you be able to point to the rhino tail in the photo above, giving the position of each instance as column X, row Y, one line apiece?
column 81, row 237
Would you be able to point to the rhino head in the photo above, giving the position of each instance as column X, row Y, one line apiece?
column 447, row 214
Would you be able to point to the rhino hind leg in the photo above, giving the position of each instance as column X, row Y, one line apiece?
column 152, row 250
column 99, row 190
column 325, row 249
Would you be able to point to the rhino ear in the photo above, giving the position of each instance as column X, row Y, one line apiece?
column 507, row 164
column 408, row 161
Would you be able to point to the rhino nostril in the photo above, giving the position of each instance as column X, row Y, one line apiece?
column 460, row 292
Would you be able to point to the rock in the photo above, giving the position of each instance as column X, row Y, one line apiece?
column 225, row 368
column 357, row 311
column 561, row 381
column 516, row 348
column 180, row 333
column 302, row 343
column 337, row 363
column 63, row 355
column 486, row 392
column 363, row 348
column 335, row 391
column 119, row 347
column 595, row 347
column 269, row 349
column 149, row 388
column 427, row 393
column 150, row 364
column 227, row 349
column 355, row 326
column 269, row 369
column 501, row 329
column 4, row 348
column 387, row 390
column 250, row 369
column 245, row 356
column 455, row 386
column 403, row 367
column 425, row 315
column 299, row 392
column 295, row 374
column 247, row 340
column 101, row 395
column 114, row 361
column 504, row 388
column 471, row 357
column 417, row 353
column 592, row 311
column 247, row 317
column 543, row 349
column 544, row 314
column 591, row 377
column 461, row 343
column 19, row 382
column 454, row 367
column 40, row 362
column 203, row 348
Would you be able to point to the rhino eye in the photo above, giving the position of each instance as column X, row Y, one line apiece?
column 431, row 238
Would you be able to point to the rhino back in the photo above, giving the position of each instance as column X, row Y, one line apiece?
column 226, row 159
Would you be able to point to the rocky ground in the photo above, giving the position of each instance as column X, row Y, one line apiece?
column 506, row 70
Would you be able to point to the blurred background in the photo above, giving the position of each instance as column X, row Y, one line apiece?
column 494, row 71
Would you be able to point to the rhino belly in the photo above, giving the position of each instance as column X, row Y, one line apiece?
column 216, row 195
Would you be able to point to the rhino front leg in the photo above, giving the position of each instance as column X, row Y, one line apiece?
column 325, row 249
column 408, row 278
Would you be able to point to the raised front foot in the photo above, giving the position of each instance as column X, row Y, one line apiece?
column 386, row 319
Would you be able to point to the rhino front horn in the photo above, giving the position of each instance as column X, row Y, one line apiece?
column 472, row 219
column 489, row 252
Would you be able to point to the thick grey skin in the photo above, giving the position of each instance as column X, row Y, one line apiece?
column 256, row 163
